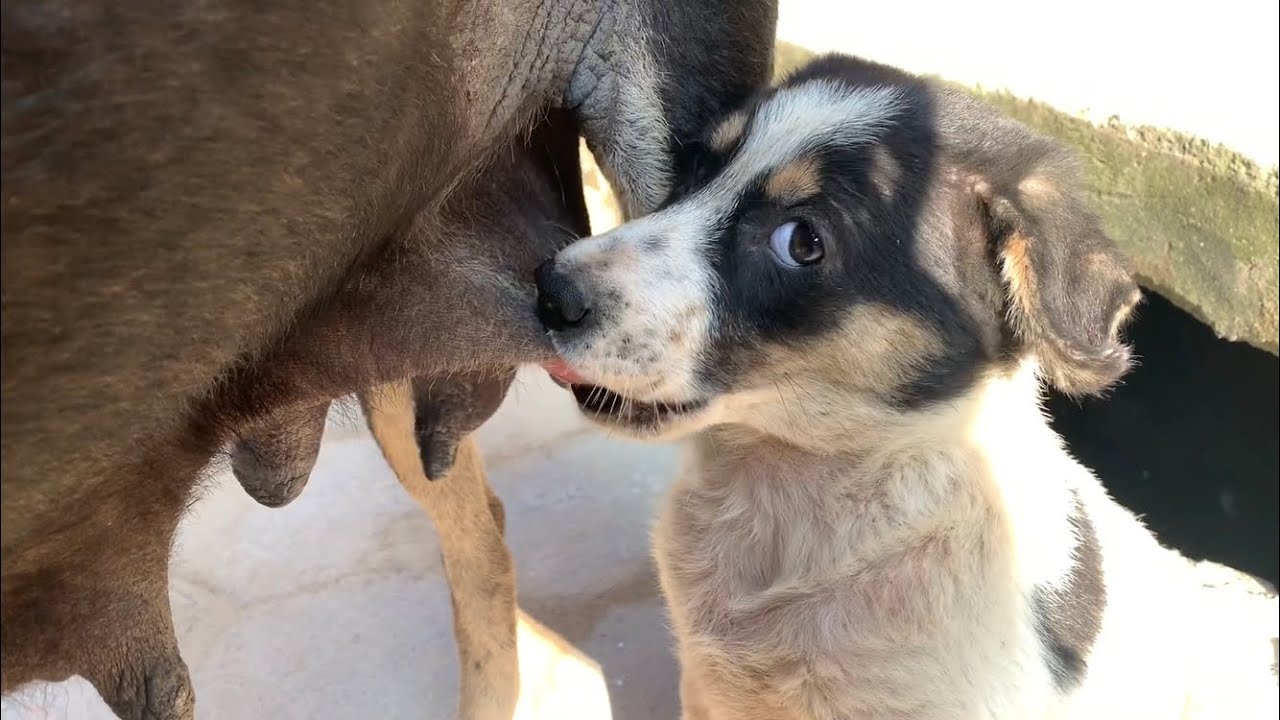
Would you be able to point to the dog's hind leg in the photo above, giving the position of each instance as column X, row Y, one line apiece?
column 693, row 703
column 148, row 679
column 481, row 587
column 97, row 605
column 467, row 517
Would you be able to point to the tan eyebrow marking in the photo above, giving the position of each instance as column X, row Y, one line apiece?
column 798, row 180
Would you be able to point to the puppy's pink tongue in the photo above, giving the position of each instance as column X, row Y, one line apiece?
column 564, row 375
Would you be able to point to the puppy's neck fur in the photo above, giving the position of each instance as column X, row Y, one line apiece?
column 987, row 459
column 929, row 534
column 994, row 418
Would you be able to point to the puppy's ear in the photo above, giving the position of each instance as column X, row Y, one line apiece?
column 1068, row 289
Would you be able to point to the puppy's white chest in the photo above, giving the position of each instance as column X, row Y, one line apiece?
column 851, row 601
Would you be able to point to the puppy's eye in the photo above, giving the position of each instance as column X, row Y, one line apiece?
column 795, row 244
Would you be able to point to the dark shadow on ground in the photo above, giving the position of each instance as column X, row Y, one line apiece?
column 1190, row 440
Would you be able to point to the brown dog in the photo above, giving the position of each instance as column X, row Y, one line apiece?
column 423, row 426
column 215, row 214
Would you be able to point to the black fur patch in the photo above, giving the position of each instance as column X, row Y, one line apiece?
column 871, row 237
column 956, row 161
column 1068, row 619
column 696, row 164
column 728, row 74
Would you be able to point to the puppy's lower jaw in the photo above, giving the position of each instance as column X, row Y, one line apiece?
column 643, row 419
column 638, row 418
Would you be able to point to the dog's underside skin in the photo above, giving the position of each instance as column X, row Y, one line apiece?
column 216, row 219
column 273, row 460
column 849, row 307
column 423, row 425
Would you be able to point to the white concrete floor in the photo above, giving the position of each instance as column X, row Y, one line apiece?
column 336, row 605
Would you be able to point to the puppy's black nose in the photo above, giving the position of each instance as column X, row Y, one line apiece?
column 561, row 303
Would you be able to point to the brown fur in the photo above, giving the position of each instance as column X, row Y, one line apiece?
column 108, row 583
column 1068, row 291
column 425, row 425
column 796, row 182
column 215, row 214
column 875, row 349
column 467, row 515
column 274, row 461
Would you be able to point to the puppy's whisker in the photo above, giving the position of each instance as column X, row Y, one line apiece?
column 783, row 399
column 613, row 403
column 592, row 397
column 627, row 403
column 805, row 408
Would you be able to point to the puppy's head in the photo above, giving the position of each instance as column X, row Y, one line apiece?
column 851, row 247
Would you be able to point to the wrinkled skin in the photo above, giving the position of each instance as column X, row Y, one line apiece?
column 525, row 204
column 212, row 215
column 274, row 460
column 448, row 410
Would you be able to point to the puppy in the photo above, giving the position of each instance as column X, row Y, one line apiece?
column 849, row 309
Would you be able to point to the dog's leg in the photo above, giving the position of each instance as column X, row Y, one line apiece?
column 482, row 588
column 692, row 703
column 149, row 680
column 105, row 617
column 467, row 517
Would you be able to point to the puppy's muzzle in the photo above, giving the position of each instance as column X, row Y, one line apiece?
column 562, row 303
